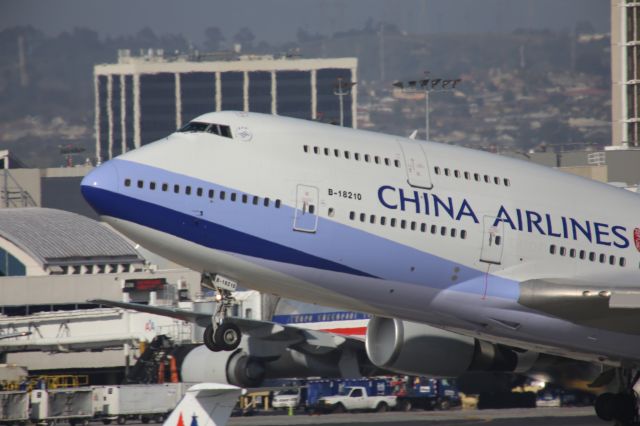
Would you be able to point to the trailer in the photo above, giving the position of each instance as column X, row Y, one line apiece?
column 139, row 402
column 426, row 394
column 14, row 408
column 74, row 405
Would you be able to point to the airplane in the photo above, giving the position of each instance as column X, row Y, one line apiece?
column 466, row 260
column 207, row 404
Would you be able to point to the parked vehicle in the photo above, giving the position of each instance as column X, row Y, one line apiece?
column 139, row 402
column 73, row 405
column 426, row 394
column 14, row 408
column 353, row 398
column 289, row 398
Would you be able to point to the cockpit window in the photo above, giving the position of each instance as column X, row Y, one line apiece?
column 194, row 126
column 216, row 129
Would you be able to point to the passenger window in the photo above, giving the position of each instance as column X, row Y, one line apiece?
column 563, row 251
column 222, row 195
column 277, row 204
column 453, row 234
column 127, row 182
column 612, row 260
column 423, row 227
column 336, row 152
column 187, row 190
column 467, row 175
column 363, row 217
column 572, row 252
column 392, row 222
column 413, row 226
column 327, row 152
column 176, row 188
column 372, row 218
column 140, row 184
column 463, row 234
column 352, row 215
column 582, row 254
column 356, row 156
column 436, row 169
column 446, row 171
column 346, row 155
column 199, row 192
column 443, row 230
column 366, row 158
column 396, row 163
column 386, row 161
column 211, row 193
column 623, row 261
column 592, row 256
column 152, row 186
column 434, row 229
column 507, row 182
column 255, row 200
column 403, row 224
column 486, row 178
column 165, row 187
column 315, row 150
column 383, row 220
column 456, row 173
column 552, row 249
column 376, row 159
column 306, row 148
column 499, row 240
column 266, row 202
column 331, row 212
column 476, row 177
column 244, row 198
column 603, row 258
column 233, row 196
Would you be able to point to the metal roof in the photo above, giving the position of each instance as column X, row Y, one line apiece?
column 57, row 237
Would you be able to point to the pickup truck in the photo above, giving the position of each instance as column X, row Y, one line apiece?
column 354, row 398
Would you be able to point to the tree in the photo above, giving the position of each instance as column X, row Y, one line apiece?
column 213, row 38
column 245, row 37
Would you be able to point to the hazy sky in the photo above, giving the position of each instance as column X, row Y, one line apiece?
column 278, row 20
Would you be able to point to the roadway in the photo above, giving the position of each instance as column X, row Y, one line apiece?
column 584, row 416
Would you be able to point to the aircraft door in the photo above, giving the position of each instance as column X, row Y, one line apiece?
column 306, row 214
column 492, row 240
column 416, row 165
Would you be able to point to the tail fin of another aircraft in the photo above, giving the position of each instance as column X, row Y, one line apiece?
column 205, row 404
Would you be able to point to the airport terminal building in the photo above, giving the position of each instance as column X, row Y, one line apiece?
column 143, row 99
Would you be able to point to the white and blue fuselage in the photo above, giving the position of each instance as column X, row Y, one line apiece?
column 393, row 227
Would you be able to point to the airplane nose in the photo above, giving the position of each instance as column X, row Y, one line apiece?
column 98, row 184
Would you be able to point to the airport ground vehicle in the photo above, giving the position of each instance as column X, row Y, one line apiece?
column 426, row 394
column 73, row 405
column 353, row 398
column 139, row 402
column 289, row 398
column 14, row 407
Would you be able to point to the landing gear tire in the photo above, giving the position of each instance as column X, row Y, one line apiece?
column 228, row 336
column 209, row 341
column 604, row 406
column 622, row 406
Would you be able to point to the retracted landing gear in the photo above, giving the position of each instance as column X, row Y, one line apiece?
column 622, row 406
column 221, row 335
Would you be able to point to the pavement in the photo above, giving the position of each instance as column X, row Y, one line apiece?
column 583, row 416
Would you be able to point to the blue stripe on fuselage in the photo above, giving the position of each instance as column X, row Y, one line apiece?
column 266, row 232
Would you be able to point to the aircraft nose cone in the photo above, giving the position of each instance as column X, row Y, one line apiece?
column 97, row 185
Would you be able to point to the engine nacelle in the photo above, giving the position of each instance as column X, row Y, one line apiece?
column 236, row 368
column 418, row 349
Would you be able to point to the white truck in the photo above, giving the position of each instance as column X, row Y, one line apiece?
column 354, row 398
column 139, row 402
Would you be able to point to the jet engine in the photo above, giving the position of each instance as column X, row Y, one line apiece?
column 418, row 349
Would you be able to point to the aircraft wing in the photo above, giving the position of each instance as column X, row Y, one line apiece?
column 604, row 307
column 304, row 339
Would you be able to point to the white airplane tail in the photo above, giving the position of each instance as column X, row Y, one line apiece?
column 205, row 404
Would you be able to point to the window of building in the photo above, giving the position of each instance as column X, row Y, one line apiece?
column 11, row 266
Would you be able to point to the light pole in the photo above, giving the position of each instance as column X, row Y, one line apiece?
column 342, row 89
column 428, row 86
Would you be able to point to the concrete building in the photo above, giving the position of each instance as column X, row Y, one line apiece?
column 625, row 72
column 143, row 99
column 51, row 264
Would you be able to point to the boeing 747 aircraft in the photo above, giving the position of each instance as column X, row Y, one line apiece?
column 466, row 260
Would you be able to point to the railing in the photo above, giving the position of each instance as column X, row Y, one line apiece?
column 12, row 194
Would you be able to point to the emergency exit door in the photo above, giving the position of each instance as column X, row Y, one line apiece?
column 492, row 240
column 306, row 214
column 416, row 165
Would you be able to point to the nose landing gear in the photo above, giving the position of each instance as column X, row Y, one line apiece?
column 622, row 406
column 221, row 335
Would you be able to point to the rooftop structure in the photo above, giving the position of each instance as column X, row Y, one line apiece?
column 36, row 241
column 143, row 99
column 625, row 72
